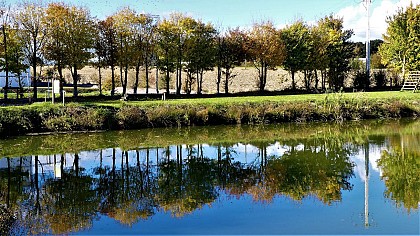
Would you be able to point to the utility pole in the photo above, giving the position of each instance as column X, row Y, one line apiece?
column 368, row 2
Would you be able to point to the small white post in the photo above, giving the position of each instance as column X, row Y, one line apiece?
column 64, row 95
column 53, row 95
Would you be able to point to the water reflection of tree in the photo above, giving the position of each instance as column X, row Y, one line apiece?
column 400, row 167
column 185, row 185
column 232, row 176
column 12, row 182
column 323, row 173
column 70, row 202
column 320, row 168
column 127, row 192
column 181, row 182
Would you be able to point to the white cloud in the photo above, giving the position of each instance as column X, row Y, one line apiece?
column 355, row 17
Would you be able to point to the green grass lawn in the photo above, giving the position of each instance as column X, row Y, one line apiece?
column 261, row 99
column 42, row 93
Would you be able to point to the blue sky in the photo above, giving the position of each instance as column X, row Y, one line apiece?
column 232, row 13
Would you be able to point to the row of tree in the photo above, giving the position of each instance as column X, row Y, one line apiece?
column 67, row 36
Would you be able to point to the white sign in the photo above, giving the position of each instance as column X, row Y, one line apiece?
column 56, row 86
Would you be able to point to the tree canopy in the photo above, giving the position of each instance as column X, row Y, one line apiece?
column 317, row 56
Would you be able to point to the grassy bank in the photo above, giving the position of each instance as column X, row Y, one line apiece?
column 116, row 115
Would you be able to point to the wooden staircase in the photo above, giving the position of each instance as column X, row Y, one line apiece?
column 412, row 83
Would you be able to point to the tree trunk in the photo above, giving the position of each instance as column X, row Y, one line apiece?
column 112, row 80
column 121, row 76
column 6, row 62
column 227, row 81
column 125, row 81
column 293, row 80
column 167, row 72
column 61, row 78
column 201, row 82
column 146, row 64
column 403, row 69
column 136, row 83
column 316, row 79
column 180, row 77
column 34, row 84
column 198, row 82
column 100, row 81
column 176, row 79
column 264, row 77
column 219, row 78
column 75, row 77
column 307, row 77
column 157, row 80
column 167, row 79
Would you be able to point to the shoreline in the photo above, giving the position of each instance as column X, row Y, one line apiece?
column 75, row 117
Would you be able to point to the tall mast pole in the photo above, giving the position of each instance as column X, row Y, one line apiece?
column 368, row 40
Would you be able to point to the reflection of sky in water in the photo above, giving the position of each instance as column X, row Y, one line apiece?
column 243, row 153
column 359, row 160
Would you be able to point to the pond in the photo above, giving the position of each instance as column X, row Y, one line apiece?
column 351, row 178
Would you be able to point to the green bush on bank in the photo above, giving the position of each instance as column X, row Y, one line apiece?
column 78, row 117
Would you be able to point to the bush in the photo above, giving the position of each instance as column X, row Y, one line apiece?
column 15, row 121
column 131, row 117
column 76, row 117
column 380, row 78
column 361, row 80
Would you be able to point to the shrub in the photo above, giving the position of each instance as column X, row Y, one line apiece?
column 380, row 78
column 58, row 123
column 75, row 117
column 361, row 80
column 131, row 117
column 15, row 121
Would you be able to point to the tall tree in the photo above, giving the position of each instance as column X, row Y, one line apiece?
column 266, row 50
column 54, row 48
column 166, row 42
column 339, row 50
column 181, row 29
column 100, row 52
column 79, row 40
column 107, row 47
column 32, row 31
column 200, row 53
column 319, row 54
column 231, row 52
column 144, row 28
column 401, row 41
column 296, row 38
column 125, row 25
column 5, row 31
column 16, row 57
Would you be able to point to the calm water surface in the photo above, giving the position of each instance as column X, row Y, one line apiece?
column 353, row 178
